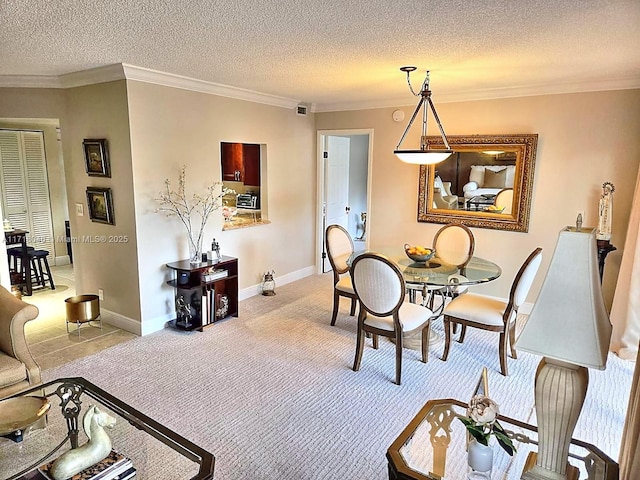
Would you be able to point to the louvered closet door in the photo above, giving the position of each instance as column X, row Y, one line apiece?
column 25, row 187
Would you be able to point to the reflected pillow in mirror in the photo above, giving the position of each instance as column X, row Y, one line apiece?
column 495, row 179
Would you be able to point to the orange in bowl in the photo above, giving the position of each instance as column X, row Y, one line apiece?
column 419, row 253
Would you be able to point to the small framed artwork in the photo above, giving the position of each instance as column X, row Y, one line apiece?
column 96, row 157
column 100, row 203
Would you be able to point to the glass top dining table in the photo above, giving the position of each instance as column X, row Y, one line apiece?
column 432, row 277
column 435, row 272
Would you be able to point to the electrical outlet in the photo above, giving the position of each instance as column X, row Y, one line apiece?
column 101, row 294
column 79, row 210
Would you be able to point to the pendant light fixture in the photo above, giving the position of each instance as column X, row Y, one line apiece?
column 425, row 155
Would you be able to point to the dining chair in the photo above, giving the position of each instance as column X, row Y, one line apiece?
column 339, row 249
column 380, row 287
column 504, row 198
column 489, row 313
column 454, row 244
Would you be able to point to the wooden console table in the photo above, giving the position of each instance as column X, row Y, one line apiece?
column 200, row 302
column 604, row 248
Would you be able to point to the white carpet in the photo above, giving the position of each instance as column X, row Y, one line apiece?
column 272, row 395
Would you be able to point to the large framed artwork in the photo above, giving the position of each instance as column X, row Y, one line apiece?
column 100, row 203
column 96, row 157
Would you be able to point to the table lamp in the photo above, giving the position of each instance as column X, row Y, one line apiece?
column 569, row 327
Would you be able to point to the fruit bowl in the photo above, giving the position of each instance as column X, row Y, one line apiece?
column 494, row 209
column 419, row 254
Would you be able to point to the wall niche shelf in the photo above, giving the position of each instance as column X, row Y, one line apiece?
column 203, row 298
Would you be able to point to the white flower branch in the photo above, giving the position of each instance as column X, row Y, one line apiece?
column 176, row 203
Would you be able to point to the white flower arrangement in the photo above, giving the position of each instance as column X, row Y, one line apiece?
column 176, row 203
column 482, row 422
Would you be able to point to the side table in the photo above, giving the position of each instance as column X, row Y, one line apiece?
column 434, row 447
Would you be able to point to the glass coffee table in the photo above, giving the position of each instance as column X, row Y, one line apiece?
column 433, row 447
column 479, row 202
column 155, row 451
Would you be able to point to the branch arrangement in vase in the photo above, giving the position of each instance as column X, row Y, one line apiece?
column 190, row 209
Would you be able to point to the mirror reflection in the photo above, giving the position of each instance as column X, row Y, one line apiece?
column 486, row 183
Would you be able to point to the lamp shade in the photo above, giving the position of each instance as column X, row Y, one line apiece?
column 423, row 157
column 569, row 321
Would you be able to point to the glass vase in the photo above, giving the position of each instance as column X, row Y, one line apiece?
column 195, row 250
column 480, row 459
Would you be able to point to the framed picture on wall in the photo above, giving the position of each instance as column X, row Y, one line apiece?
column 96, row 157
column 100, row 203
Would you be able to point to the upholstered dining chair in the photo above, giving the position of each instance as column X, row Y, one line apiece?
column 339, row 248
column 488, row 313
column 380, row 287
column 504, row 198
column 454, row 244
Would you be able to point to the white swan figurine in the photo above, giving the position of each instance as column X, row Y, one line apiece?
column 96, row 449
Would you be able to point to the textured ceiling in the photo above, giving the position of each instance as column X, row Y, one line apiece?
column 337, row 53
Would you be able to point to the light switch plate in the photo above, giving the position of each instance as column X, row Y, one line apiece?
column 79, row 210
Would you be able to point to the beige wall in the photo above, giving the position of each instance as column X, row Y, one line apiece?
column 95, row 111
column 171, row 127
column 584, row 140
column 109, row 262
column 41, row 103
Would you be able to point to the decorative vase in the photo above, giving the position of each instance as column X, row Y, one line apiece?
column 195, row 250
column 479, row 456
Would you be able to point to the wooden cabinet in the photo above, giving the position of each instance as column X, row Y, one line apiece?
column 251, row 163
column 232, row 168
column 241, row 163
column 203, row 297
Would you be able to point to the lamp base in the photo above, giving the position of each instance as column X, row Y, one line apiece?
column 560, row 391
column 533, row 472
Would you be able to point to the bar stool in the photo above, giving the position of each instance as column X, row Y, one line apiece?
column 15, row 254
column 37, row 257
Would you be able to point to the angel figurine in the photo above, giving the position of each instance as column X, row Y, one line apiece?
column 605, row 212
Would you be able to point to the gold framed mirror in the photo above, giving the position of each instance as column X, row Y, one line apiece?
column 487, row 182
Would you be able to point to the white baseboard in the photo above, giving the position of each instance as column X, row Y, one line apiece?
column 282, row 280
column 157, row 324
column 62, row 260
column 120, row 321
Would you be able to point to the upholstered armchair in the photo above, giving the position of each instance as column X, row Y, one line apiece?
column 442, row 197
column 18, row 369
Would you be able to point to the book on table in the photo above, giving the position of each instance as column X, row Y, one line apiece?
column 114, row 467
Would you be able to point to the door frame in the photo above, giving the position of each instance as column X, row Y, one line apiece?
column 320, row 169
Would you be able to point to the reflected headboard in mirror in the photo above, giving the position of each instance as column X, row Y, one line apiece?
column 487, row 182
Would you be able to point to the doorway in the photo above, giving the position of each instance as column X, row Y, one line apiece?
column 344, row 180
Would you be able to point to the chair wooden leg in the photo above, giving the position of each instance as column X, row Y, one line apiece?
column 336, row 301
column 503, row 353
column 352, row 311
column 398, row 357
column 463, row 332
column 447, row 338
column 359, row 349
column 425, row 343
column 512, row 340
column 375, row 340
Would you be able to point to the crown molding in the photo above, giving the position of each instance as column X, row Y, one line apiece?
column 492, row 94
column 123, row 71
column 186, row 83
column 30, row 81
column 108, row 73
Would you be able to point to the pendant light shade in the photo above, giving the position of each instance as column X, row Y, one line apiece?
column 424, row 155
